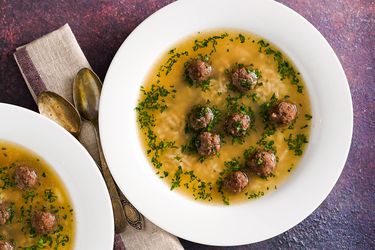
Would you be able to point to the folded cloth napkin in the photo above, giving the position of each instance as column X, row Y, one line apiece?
column 50, row 63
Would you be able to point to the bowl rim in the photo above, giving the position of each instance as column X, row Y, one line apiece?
column 48, row 140
column 323, row 125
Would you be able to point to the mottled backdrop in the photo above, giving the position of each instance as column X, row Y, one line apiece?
column 346, row 218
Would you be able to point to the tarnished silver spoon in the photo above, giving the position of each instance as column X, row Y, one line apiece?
column 86, row 95
column 58, row 109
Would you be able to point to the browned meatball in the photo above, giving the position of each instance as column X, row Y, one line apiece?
column 208, row 144
column 4, row 214
column 283, row 113
column 238, row 124
column 199, row 71
column 200, row 118
column 25, row 177
column 243, row 79
column 262, row 163
column 43, row 222
column 5, row 245
column 235, row 182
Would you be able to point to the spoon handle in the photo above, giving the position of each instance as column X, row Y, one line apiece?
column 133, row 216
column 118, row 212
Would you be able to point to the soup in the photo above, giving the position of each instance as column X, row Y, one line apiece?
column 35, row 208
column 224, row 117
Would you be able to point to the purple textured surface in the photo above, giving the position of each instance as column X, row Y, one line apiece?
column 345, row 220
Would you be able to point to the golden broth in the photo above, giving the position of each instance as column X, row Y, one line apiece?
column 159, row 124
column 49, row 194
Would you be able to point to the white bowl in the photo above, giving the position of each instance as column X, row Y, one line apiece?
column 73, row 164
column 307, row 186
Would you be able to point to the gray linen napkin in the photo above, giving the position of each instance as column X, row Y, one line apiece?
column 50, row 63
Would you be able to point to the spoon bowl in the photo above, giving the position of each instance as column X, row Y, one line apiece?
column 86, row 94
column 58, row 109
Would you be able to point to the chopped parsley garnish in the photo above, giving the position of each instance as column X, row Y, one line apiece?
column 271, row 175
column 254, row 97
column 296, row 143
column 235, row 105
column 206, row 42
column 285, row 69
column 249, row 152
column 291, row 126
column 174, row 56
column 8, row 182
column 176, row 178
column 29, row 196
column 268, row 145
column 49, row 195
column 165, row 174
column 153, row 100
column 205, row 85
column 202, row 194
column 190, row 147
column 201, row 190
column 254, row 195
column 11, row 211
column 242, row 38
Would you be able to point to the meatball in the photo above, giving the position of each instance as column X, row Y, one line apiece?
column 198, row 70
column 4, row 214
column 262, row 163
column 237, row 124
column 25, row 177
column 43, row 222
column 243, row 79
column 235, row 182
column 5, row 245
column 208, row 144
column 200, row 118
column 283, row 113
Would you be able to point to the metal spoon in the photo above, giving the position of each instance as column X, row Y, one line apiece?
column 59, row 110
column 86, row 94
